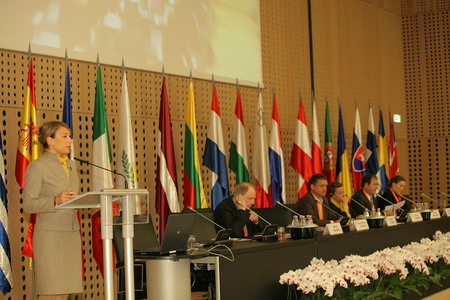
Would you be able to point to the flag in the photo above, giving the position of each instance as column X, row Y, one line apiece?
column 193, row 185
column 276, row 160
column 214, row 157
column 67, row 110
column 301, row 158
column 260, row 150
column 101, row 153
column 342, row 168
column 238, row 148
column 370, row 153
column 358, row 163
column 316, row 152
column 126, row 163
column 28, row 148
column 6, row 280
column 67, row 118
column 166, row 172
column 328, row 165
column 393, row 155
column 383, row 157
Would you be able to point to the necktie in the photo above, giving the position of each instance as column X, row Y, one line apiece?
column 245, row 231
column 320, row 210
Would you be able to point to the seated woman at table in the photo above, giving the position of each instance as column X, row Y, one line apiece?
column 339, row 201
column 393, row 194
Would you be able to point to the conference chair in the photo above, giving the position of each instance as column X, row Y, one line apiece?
column 275, row 215
column 144, row 237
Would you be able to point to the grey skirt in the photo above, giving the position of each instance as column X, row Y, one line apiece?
column 57, row 259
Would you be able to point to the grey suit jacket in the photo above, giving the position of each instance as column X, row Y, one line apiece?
column 45, row 178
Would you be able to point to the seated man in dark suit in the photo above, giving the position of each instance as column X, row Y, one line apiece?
column 365, row 196
column 232, row 213
column 315, row 203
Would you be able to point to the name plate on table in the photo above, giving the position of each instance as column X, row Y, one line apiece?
column 359, row 225
column 446, row 212
column 390, row 221
column 415, row 217
column 333, row 229
column 435, row 214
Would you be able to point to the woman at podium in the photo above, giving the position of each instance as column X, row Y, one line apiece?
column 50, row 180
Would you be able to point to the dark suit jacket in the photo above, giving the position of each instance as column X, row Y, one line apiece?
column 361, row 198
column 227, row 215
column 306, row 205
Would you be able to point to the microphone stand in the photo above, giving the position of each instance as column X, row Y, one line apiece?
column 428, row 197
column 291, row 210
column 409, row 200
column 332, row 210
column 357, row 202
column 100, row 167
column 204, row 217
column 378, row 195
column 254, row 212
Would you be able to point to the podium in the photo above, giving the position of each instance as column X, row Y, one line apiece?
column 104, row 199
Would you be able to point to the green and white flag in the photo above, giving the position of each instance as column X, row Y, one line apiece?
column 101, row 151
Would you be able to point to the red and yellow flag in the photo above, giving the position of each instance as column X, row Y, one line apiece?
column 28, row 147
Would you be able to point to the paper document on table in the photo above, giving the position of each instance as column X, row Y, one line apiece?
column 395, row 206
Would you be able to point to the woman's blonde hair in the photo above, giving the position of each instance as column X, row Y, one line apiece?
column 48, row 129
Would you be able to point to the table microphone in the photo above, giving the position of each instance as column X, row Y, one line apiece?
column 379, row 195
column 409, row 200
column 432, row 199
column 100, row 167
column 291, row 210
column 238, row 201
column 330, row 209
column 357, row 202
column 206, row 218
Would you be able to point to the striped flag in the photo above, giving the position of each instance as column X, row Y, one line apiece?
column 101, row 152
column 277, row 178
column 214, row 157
column 393, row 155
column 193, row 185
column 67, row 110
column 342, row 168
column 370, row 153
column 126, row 160
column 301, row 159
column 28, row 148
column 328, row 165
column 316, row 151
column 67, row 118
column 260, row 150
column 166, row 171
column 358, row 163
column 6, row 280
column 383, row 156
column 238, row 148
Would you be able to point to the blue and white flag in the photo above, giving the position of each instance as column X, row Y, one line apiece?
column 214, row 157
column 6, row 281
column 67, row 110
column 370, row 153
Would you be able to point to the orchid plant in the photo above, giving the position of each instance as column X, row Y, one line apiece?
column 386, row 273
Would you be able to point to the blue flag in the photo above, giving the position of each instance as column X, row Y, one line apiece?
column 5, row 252
column 370, row 153
column 67, row 109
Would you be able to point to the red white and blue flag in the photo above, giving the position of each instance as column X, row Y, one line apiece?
column 276, row 160
column 214, row 157
column 371, row 153
column 358, row 162
column 393, row 155
column 316, row 151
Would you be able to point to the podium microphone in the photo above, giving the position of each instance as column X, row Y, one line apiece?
column 206, row 218
column 82, row 161
column 254, row 212
column 428, row 197
column 291, row 210
column 379, row 195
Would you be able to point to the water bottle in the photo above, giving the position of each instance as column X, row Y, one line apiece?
column 366, row 213
column 295, row 221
